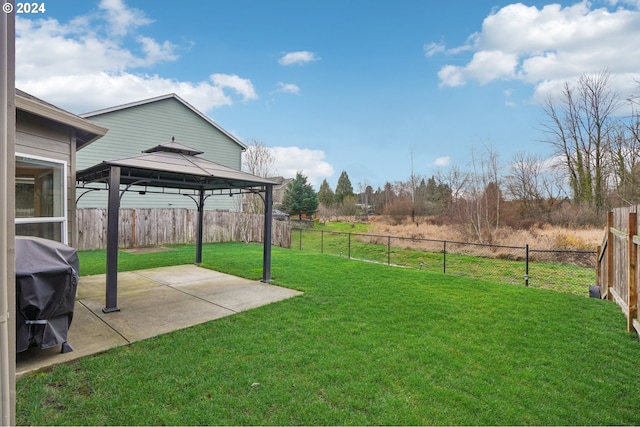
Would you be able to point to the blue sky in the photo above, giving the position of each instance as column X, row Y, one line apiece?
column 356, row 85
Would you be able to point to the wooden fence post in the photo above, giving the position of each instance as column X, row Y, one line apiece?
column 632, row 302
column 610, row 247
column 134, row 241
column 599, row 268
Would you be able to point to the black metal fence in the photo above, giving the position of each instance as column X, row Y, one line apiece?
column 569, row 271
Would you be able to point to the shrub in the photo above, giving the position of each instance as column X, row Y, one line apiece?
column 398, row 210
column 571, row 242
column 574, row 215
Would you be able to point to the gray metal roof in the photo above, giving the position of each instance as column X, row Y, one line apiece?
column 173, row 165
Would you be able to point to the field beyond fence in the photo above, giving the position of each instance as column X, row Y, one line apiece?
column 569, row 271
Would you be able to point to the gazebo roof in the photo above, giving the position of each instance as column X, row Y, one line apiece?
column 173, row 165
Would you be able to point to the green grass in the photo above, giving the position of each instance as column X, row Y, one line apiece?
column 93, row 262
column 366, row 344
column 428, row 255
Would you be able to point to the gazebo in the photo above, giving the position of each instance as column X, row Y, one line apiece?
column 175, row 169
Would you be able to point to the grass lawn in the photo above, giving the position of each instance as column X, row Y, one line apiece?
column 334, row 239
column 366, row 344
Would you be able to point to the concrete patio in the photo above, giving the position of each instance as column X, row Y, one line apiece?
column 151, row 302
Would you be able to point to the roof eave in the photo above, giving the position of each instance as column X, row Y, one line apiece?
column 91, row 130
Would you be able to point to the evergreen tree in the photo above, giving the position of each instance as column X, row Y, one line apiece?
column 344, row 187
column 378, row 201
column 299, row 197
column 431, row 190
column 326, row 195
column 388, row 193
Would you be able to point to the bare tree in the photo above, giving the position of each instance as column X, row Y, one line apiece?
column 580, row 130
column 259, row 160
column 458, row 183
column 522, row 182
column 455, row 179
column 625, row 154
column 485, row 197
column 365, row 197
column 533, row 183
column 413, row 185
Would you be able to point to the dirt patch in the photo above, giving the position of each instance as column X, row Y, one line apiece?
column 147, row 250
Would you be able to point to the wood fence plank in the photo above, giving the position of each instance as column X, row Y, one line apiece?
column 632, row 293
column 621, row 234
column 620, row 301
column 610, row 253
column 153, row 227
column 618, row 260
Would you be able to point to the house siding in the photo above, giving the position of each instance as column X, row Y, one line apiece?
column 138, row 128
column 43, row 138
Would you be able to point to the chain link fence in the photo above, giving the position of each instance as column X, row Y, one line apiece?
column 568, row 271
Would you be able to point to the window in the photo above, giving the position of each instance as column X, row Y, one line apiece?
column 41, row 198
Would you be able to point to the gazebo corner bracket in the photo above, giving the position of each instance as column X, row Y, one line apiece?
column 140, row 181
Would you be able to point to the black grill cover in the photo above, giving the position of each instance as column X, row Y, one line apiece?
column 46, row 283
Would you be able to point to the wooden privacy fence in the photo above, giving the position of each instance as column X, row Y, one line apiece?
column 617, row 271
column 154, row 227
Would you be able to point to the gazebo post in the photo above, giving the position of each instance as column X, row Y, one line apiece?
column 113, row 219
column 268, row 218
column 200, row 227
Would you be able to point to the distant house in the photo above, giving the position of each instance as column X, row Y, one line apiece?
column 47, row 139
column 137, row 126
column 278, row 190
column 248, row 203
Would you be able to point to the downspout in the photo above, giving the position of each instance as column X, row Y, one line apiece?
column 7, row 226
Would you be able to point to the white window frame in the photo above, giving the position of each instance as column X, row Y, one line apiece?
column 51, row 219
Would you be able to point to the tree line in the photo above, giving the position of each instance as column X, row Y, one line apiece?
column 595, row 136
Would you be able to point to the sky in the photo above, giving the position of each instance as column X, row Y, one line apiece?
column 376, row 88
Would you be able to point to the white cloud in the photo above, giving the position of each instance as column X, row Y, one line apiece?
column 47, row 48
column 63, row 62
column 451, row 76
column 289, row 160
column 547, row 45
column 552, row 163
column 156, row 52
column 507, row 98
column 431, row 49
column 122, row 19
column 492, row 65
column 622, row 83
column 288, row 88
column 442, row 161
column 70, row 91
column 299, row 57
column 238, row 84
